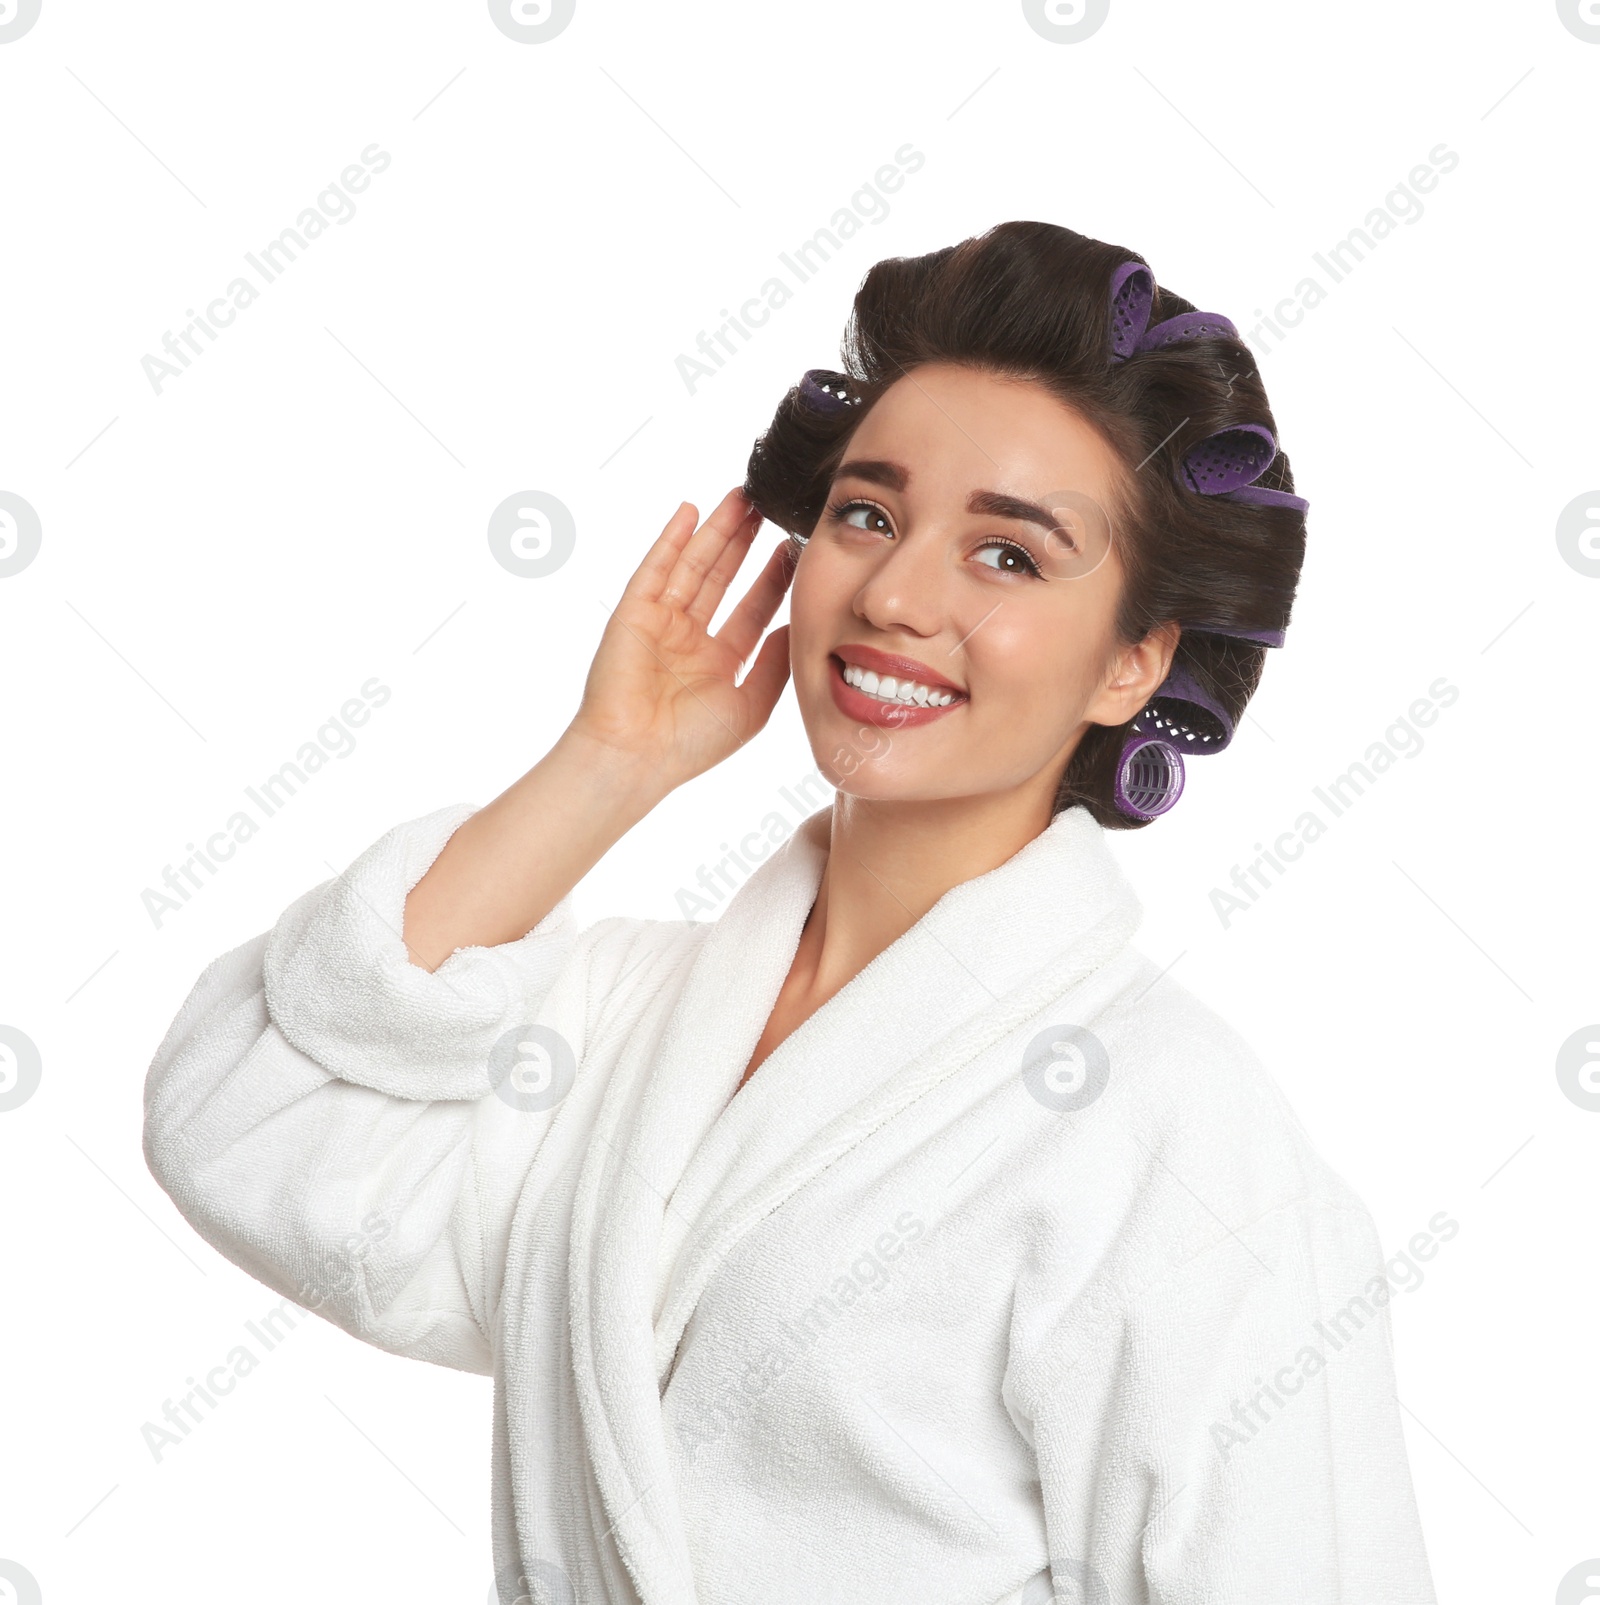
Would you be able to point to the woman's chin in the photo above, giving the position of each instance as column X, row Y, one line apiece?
column 868, row 759
column 886, row 797
column 855, row 773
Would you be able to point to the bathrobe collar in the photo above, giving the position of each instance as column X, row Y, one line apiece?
column 677, row 1173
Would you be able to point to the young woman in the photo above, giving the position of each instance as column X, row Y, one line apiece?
column 904, row 1235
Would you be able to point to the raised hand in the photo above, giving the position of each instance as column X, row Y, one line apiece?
column 662, row 690
column 662, row 703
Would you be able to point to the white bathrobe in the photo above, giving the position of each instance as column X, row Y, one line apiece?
column 1010, row 1267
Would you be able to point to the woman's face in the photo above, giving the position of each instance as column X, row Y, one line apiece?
column 966, row 567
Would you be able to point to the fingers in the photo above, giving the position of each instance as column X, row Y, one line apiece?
column 700, row 553
column 651, row 576
column 757, row 606
column 768, row 675
column 728, row 562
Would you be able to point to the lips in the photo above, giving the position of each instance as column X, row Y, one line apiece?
column 857, row 705
column 881, row 663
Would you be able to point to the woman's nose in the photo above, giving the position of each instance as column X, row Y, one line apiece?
column 908, row 586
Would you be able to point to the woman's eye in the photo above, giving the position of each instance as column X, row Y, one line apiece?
column 863, row 515
column 1008, row 558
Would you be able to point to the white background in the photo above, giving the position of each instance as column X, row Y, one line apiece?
column 223, row 564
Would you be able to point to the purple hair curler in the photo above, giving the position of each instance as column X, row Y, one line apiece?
column 828, row 391
column 1223, row 464
column 1228, row 460
column 1263, row 497
column 1185, row 714
column 1149, row 777
column 1260, row 637
column 1133, row 289
column 1187, row 326
column 1182, row 717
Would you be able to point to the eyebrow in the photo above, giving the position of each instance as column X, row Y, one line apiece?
column 993, row 503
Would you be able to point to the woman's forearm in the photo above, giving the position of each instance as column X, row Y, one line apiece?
column 509, row 865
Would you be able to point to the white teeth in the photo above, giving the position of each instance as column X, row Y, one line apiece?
column 889, row 689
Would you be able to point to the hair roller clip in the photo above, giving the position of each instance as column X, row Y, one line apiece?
column 1149, row 777
column 1133, row 289
column 830, row 392
column 1227, row 460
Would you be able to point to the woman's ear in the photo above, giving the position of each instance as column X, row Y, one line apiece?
column 1136, row 673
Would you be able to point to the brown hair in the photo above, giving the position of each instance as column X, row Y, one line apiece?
column 1032, row 301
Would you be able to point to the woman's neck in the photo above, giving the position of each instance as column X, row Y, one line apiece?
column 889, row 863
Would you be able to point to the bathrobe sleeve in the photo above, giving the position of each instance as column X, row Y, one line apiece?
column 322, row 1112
column 1228, row 1430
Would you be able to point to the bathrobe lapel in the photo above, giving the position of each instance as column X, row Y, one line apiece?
column 657, row 1109
column 677, row 1174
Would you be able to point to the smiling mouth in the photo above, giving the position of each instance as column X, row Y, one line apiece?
column 886, row 688
column 888, row 700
